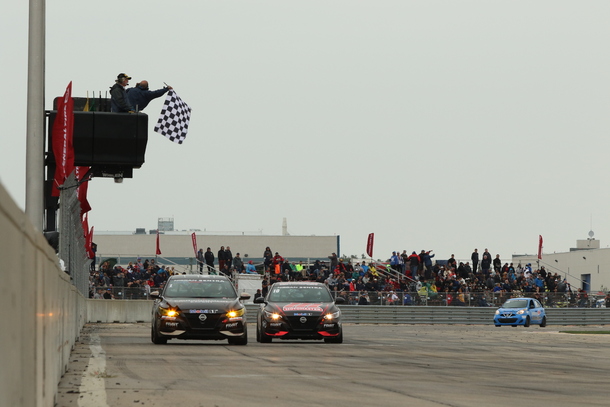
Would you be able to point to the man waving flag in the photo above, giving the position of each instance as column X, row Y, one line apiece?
column 174, row 120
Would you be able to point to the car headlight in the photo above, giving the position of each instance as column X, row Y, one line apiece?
column 497, row 311
column 334, row 315
column 272, row 315
column 521, row 312
column 168, row 312
column 236, row 313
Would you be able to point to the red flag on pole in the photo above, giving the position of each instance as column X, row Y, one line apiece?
column 158, row 252
column 194, row 238
column 369, row 244
column 81, row 191
column 90, row 244
column 61, row 138
column 539, row 247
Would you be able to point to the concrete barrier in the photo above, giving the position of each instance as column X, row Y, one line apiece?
column 133, row 311
column 43, row 311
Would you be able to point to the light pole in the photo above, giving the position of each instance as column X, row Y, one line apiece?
column 34, row 157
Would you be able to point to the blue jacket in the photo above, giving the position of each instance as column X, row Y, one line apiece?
column 139, row 97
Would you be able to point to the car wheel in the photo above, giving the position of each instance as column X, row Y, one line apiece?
column 154, row 337
column 527, row 322
column 258, row 334
column 264, row 338
column 335, row 339
column 543, row 323
column 239, row 340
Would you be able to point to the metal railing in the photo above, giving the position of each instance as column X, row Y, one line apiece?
column 391, row 298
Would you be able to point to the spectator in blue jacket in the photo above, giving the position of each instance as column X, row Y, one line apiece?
column 140, row 96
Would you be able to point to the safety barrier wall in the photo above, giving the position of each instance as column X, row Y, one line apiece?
column 43, row 320
column 108, row 311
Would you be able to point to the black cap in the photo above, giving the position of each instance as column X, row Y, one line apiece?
column 123, row 76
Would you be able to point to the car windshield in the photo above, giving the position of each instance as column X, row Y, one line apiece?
column 200, row 289
column 515, row 304
column 300, row 294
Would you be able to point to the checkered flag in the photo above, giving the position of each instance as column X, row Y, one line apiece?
column 174, row 120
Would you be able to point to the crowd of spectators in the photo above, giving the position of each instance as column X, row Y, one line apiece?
column 133, row 282
column 404, row 279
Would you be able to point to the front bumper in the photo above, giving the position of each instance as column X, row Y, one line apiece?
column 286, row 329
column 510, row 319
column 187, row 327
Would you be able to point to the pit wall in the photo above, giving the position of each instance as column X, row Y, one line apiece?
column 43, row 312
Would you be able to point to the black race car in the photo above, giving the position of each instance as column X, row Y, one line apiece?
column 199, row 307
column 299, row 310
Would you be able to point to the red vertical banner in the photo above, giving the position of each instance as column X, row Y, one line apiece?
column 539, row 247
column 89, row 244
column 194, row 238
column 61, row 138
column 81, row 192
column 158, row 251
column 369, row 244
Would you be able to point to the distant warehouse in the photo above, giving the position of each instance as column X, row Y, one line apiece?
column 177, row 246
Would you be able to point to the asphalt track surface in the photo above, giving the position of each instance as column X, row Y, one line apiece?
column 377, row 365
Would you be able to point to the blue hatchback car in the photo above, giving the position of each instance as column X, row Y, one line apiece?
column 520, row 311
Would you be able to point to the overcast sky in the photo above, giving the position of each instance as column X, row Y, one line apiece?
column 443, row 125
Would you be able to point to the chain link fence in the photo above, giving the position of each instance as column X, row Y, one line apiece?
column 72, row 237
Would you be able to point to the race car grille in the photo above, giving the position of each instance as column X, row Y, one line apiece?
column 303, row 322
column 210, row 321
column 507, row 320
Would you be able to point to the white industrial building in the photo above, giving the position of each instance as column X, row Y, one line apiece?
column 586, row 266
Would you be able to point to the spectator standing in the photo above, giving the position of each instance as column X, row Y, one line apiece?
column 475, row 260
column 426, row 259
column 333, row 261
column 221, row 258
column 394, row 261
column 497, row 263
column 209, row 260
column 267, row 256
column 486, row 262
column 228, row 257
column 200, row 260
column 414, row 265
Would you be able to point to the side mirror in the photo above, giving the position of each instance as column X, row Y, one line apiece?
column 154, row 294
column 259, row 300
column 244, row 296
column 339, row 300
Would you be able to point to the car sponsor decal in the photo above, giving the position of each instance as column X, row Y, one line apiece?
column 302, row 306
column 203, row 311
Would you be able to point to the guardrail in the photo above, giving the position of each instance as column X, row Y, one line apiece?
column 133, row 311
column 376, row 314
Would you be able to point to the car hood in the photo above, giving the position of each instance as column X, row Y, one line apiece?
column 220, row 304
column 299, row 308
column 509, row 310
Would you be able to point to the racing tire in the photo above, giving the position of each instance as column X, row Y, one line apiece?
column 154, row 337
column 264, row 338
column 335, row 339
column 239, row 340
column 543, row 323
column 258, row 334
column 527, row 322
